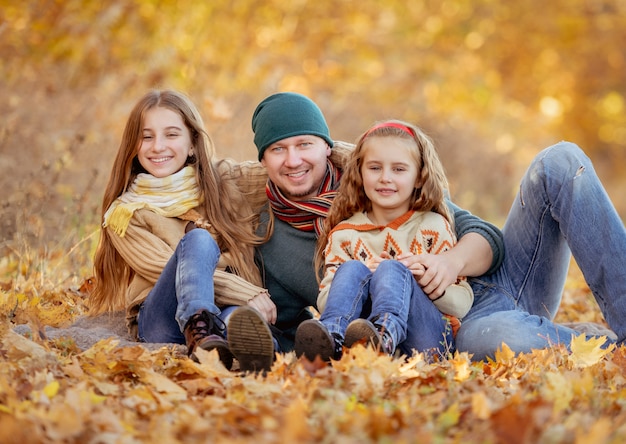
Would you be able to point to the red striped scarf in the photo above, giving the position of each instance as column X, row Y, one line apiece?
column 306, row 215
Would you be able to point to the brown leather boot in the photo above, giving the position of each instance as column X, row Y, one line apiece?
column 206, row 330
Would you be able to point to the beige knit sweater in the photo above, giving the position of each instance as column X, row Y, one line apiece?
column 414, row 232
column 150, row 241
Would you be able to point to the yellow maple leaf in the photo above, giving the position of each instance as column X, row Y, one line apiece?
column 587, row 352
column 461, row 366
column 505, row 354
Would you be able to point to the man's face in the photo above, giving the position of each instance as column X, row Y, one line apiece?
column 297, row 165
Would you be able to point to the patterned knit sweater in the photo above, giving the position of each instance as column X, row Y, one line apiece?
column 413, row 232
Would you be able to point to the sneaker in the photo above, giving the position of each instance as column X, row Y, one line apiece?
column 206, row 330
column 313, row 339
column 250, row 340
column 364, row 332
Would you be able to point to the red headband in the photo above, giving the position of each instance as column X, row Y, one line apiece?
column 404, row 128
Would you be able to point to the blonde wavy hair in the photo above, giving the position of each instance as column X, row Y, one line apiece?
column 225, row 206
column 351, row 197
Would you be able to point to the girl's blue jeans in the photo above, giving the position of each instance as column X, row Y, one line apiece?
column 184, row 287
column 561, row 209
column 397, row 303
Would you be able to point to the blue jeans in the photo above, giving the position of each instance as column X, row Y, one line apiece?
column 184, row 287
column 397, row 303
column 561, row 209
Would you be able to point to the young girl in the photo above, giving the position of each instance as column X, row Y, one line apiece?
column 177, row 238
column 390, row 205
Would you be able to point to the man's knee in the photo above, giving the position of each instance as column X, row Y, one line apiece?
column 483, row 337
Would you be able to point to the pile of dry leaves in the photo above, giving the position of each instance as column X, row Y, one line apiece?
column 55, row 389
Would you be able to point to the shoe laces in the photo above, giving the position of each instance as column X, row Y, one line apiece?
column 338, row 342
column 203, row 324
column 386, row 341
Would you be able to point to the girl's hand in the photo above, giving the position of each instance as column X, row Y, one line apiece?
column 373, row 263
column 264, row 304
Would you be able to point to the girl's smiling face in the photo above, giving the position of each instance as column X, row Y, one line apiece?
column 390, row 174
column 166, row 142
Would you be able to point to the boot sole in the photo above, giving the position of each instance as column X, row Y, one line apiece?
column 312, row 339
column 250, row 340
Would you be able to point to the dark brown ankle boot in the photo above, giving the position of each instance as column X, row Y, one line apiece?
column 205, row 330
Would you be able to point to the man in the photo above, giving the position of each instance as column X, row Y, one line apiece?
column 304, row 165
column 560, row 205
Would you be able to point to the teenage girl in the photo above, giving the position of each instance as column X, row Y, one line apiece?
column 177, row 244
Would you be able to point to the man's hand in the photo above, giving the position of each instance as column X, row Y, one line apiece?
column 411, row 261
column 433, row 272
column 471, row 256
column 264, row 304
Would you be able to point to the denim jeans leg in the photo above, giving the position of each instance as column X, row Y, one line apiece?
column 594, row 231
column 427, row 329
column 184, row 287
column 560, row 207
column 519, row 330
column 194, row 279
column 156, row 315
column 348, row 293
column 391, row 289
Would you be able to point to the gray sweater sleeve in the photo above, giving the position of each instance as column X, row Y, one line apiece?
column 465, row 222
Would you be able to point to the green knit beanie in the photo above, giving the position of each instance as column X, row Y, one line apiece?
column 285, row 115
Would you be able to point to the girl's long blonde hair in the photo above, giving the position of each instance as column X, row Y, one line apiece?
column 226, row 208
column 351, row 197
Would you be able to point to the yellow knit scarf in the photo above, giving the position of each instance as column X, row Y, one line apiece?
column 169, row 196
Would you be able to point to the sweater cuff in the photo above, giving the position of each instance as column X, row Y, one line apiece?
column 456, row 301
column 231, row 289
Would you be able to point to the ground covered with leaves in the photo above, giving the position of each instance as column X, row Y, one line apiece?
column 52, row 390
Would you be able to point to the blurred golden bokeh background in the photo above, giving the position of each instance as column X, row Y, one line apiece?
column 493, row 82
